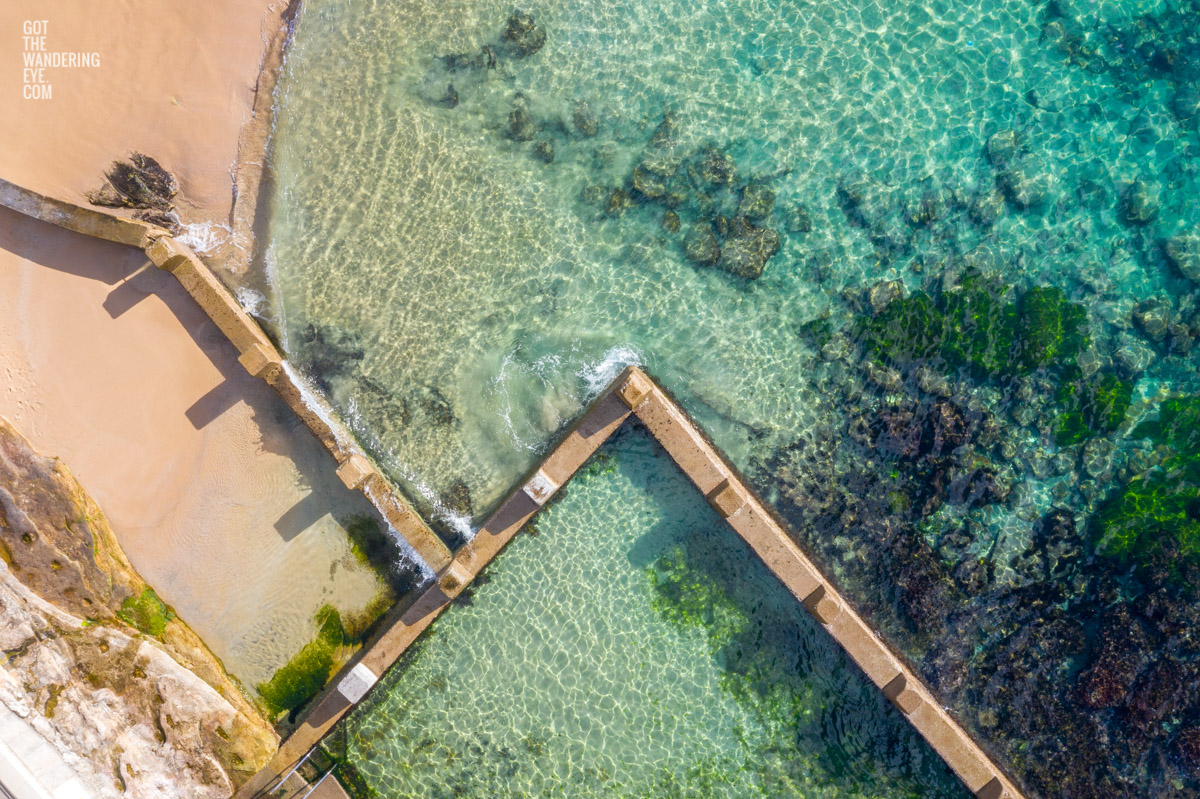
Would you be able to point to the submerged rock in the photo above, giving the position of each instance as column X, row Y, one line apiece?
column 859, row 198
column 882, row 293
column 520, row 124
column 716, row 167
column 327, row 352
column 797, row 219
column 1132, row 356
column 1124, row 650
column 748, row 249
column 1184, row 252
column 522, row 36
column 1153, row 317
column 450, row 98
column 1139, row 203
column 666, row 135
column 721, row 225
column 436, row 408
column 1024, row 184
column 986, row 207
column 647, row 184
column 925, row 206
column 1002, row 148
column 1055, row 550
column 757, row 202
column 460, row 62
column 670, row 222
column 618, row 202
column 584, row 120
column 1188, row 746
column 701, row 245
column 457, row 499
column 543, row 150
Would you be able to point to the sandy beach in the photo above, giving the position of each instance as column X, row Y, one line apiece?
column 222, row 499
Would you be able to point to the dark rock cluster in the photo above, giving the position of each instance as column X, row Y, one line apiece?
column 726, row 221
column 141, row 183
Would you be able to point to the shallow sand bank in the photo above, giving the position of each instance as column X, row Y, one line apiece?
column 175, row 80
column 223, row 501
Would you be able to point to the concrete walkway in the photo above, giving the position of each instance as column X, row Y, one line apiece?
column 30, row 768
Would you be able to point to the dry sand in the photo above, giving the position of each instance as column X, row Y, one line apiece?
column 176, row 80
column 223, row 501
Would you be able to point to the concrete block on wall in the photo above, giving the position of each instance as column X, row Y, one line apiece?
column 540, row 487
column 354, row 686
column 355, row 471
column 259, row 361
column 635, row 388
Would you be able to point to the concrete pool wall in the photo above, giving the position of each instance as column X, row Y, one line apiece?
column 632, row 394
column 257, row 353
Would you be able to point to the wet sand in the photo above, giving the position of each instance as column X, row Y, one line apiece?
column 222, row 499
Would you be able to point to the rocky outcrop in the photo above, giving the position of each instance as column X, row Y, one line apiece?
column 99, row 666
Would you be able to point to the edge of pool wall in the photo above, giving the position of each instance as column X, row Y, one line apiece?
column 634, row 394
column 256, row 353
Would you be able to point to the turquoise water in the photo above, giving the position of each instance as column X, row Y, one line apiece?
column 633, row 647
column 460, row 300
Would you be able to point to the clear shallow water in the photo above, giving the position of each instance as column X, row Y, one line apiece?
column 634, row 647
column 460, row 300
column 450, row 259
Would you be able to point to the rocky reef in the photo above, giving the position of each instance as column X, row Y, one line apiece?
column 96, row 663
column 965, row 405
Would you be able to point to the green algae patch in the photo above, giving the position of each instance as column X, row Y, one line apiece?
column 908, row 329
column 975, row 327
column 1156, row 515
column 1177, row 425
column 699, row 587
column 1155, row 510
column 309, row 670
column 981, row 327
column 1049, row 328
column 1090, row 406
column 146, row 612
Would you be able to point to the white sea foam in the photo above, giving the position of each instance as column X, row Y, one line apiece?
column 314, row 404
column 408, row 555
column 598, row 374
column 252, row 301
column 456, row 521
column 204, row 237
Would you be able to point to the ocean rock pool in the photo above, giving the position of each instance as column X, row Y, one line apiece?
column 630, row 645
